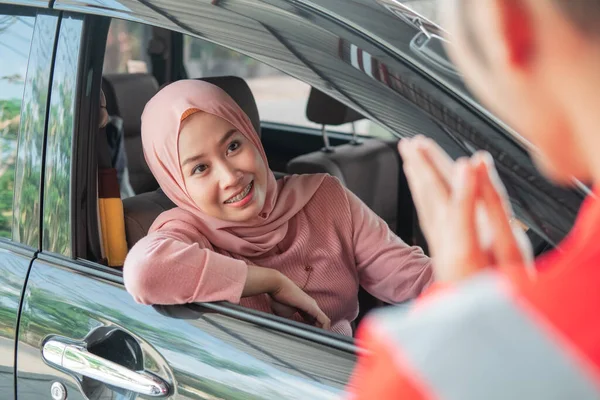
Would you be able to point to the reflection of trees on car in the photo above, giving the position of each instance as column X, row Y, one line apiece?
column 29, row 174
column 15, row 40
column 57, row 196
column 9, row 129
column 26, row 203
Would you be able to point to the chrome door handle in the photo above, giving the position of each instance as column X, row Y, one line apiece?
column 80, row 361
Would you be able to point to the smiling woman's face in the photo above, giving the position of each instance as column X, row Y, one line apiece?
column 223, row 171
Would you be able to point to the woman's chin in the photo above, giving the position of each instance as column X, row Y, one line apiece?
column 247, row 214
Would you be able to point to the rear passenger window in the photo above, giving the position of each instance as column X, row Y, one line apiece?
column 127, row 48
column 280, row 98
column 16, row 33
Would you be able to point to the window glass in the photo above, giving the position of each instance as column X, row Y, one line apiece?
column 16, row 34
column 126, row 48
column 280, row 98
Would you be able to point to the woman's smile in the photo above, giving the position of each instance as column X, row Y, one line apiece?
column 242, row 198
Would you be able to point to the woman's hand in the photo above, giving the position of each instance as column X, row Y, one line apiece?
column 289, row 296
column 286, row 296
column 463, row 210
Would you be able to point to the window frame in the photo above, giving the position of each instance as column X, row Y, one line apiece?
column 57, row 234
column 86, row 240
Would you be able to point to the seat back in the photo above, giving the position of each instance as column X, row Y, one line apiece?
column 127, row 95
column 141, row 210
column 370, row 169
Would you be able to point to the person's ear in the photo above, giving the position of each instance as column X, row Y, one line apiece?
column 516, row 32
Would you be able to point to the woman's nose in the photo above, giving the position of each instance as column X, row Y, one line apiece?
column 229, row 175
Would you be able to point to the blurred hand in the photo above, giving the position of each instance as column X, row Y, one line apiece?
column 463, row 210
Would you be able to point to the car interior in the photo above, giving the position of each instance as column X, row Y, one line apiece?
column 369, row 167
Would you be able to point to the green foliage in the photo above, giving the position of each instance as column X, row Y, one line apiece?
column 9, row 109
column 57, row 224
column 9, row 130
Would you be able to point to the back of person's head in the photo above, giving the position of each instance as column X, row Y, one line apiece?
column 536, row 64
column 583, row 14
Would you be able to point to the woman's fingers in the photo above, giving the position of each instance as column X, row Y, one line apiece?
column 290, row 295
column 314, row 310
column 316, row 317
column 282, row 310
column 323, row 321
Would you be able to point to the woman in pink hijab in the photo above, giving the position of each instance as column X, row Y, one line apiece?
column 297, row 247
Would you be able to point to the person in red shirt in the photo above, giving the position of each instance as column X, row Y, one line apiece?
column 495, row 328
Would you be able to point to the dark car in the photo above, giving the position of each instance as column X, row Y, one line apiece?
column 335, row 82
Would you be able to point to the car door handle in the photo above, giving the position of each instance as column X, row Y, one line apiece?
column 78, row 360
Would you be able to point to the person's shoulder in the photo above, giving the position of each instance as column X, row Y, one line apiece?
column 329, row 185
column 435, row 321
column 326, row 179
column 174, row 218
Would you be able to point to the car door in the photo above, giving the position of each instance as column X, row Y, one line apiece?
column 26, row 41
column 81, row 335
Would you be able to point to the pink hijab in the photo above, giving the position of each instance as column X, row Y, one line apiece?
column 161, row 122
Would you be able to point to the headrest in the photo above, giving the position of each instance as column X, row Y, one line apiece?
column 103, row 119
column 126, row 96
column 240, row 92
column 325, row 110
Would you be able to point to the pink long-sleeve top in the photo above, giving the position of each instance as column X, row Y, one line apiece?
column 333, row 245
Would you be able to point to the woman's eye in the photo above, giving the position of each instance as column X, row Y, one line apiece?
column 199, row 169
column 233, row 146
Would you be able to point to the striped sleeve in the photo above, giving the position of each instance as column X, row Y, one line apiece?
column 175, row 265
column 388, row 268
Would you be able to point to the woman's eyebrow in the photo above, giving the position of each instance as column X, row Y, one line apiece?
column 225, row 138
column 192, row 159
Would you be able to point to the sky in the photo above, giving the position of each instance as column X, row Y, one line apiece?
column 15, row 41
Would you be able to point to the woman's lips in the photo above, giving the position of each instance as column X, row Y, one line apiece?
column 242, row 198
